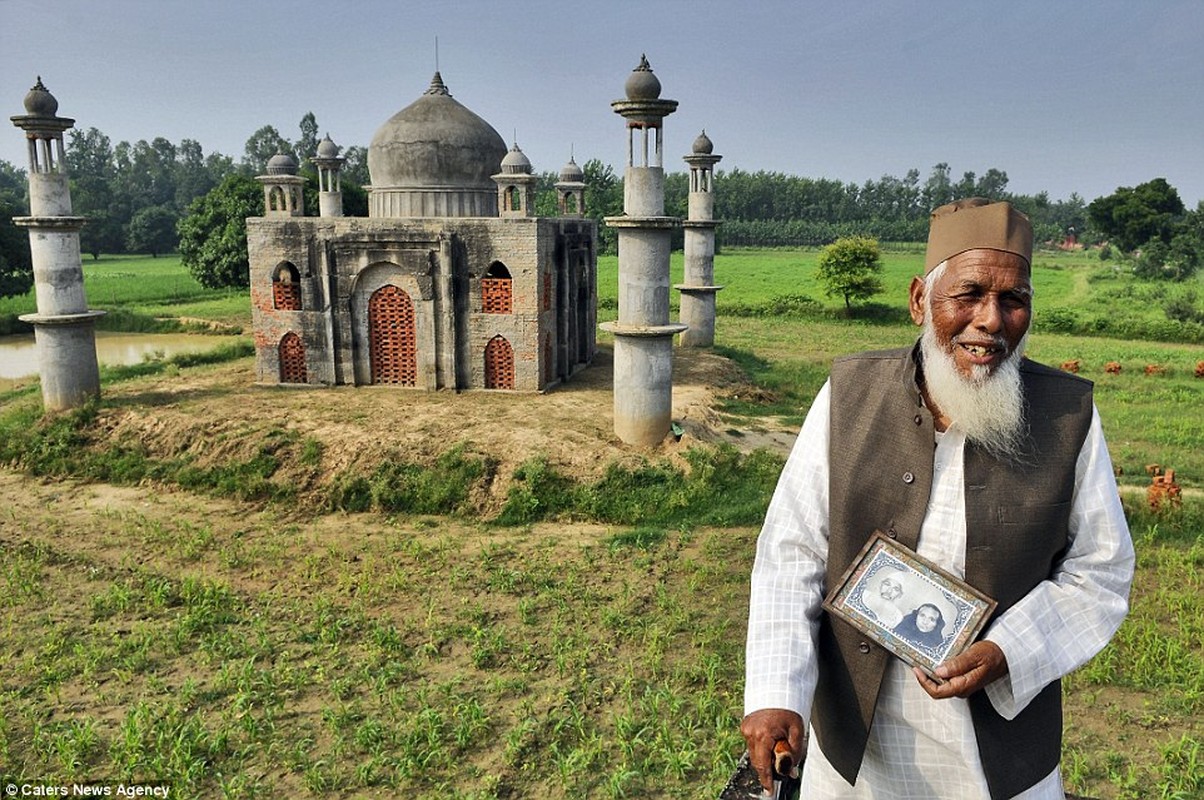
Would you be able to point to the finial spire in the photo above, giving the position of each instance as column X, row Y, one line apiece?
column 437, row 86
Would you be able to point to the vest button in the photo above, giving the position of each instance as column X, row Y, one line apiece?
column 864, row 647
column 919, row 419
column 908, row 477
column 892, row 534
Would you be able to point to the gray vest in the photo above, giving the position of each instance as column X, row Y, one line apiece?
column 881, row 456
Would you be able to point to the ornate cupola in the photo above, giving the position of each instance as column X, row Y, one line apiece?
column 282, row 187
column 516, row 185
column 330, row 190
column 570, row 190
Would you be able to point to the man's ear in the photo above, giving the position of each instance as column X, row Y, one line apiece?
column 915, row 304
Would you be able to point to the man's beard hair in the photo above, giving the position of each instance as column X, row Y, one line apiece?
column 988, row 407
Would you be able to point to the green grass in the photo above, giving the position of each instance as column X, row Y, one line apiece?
column 462, row 664
column 1075, row 292
column 143, row 288
column 250, row 636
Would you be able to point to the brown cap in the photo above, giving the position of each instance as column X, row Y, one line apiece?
column 976, row 222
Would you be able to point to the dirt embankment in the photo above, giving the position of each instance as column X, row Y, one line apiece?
column 218, row 415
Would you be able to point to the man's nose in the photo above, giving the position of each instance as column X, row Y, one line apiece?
column 989, row 316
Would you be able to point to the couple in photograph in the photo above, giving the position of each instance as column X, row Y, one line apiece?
column 923, row 626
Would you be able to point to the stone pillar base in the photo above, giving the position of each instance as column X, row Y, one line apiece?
column 67, row 364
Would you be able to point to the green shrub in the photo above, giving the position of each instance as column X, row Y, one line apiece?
column 1056, row 320
column 539, row 492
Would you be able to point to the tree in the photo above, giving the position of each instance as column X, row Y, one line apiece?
column 263, row 144
column 213, row 235
column 93, row 191
column 307, row 146
column 153, row 230
column 850, row 267
column 355, row 168
column 1132, row 217
column 938, row 189
column 16, row 266
column 603, row 198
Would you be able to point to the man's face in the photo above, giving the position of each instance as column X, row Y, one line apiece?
column 890, row 589
column 926, row 619
column 981, row 306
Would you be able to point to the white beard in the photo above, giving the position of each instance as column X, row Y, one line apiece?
column 988, row 407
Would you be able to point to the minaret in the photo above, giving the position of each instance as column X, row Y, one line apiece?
column 643, row 382
column 330, row 188
column 63, row 328
column 515, row 185
column 570, row 190
column 697, row 290
column 282, row 188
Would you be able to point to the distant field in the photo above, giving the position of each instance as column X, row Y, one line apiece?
column 153, row 287
column 1075, row 291
column 1150, row 419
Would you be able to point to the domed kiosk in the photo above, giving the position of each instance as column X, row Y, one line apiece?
column 450, row 282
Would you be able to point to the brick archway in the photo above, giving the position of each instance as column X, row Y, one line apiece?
column 286, row 288
column 499, row 364
column 392, row 339
column 292, row 359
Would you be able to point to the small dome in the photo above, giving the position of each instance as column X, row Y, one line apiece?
column 641, row 83
column 39, row 102
column 516, row 161
column 703, row 145
column 571, row 173
column 282, row 164
column 327, row 148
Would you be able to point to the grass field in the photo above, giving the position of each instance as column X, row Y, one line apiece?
column 145, row 288
column 161, row 626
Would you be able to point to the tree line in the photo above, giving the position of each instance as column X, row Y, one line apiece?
column 157, row 197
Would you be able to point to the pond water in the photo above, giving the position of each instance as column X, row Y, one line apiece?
column 19, row 354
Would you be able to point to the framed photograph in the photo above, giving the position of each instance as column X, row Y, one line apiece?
column 907, row 604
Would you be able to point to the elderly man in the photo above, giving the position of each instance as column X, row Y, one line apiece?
column 884, row 603
column 988, row 464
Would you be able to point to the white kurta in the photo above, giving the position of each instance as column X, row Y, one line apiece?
column 920, row 748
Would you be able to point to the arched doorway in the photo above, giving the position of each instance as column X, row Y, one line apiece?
column 392, row 341
column 499, row 364
column 292, row 359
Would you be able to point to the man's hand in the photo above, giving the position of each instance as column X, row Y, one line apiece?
column 980, row 664
column 762, row 729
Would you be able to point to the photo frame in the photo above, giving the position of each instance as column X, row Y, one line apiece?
column 907, row 604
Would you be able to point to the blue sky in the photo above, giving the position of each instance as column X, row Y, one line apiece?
column 1063, row 96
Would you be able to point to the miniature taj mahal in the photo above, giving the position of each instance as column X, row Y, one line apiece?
column 450, row 282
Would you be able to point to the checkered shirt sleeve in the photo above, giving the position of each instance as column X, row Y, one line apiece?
column 788, row 576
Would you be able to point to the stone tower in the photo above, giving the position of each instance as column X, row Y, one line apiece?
column 282, row 188
column 64, row 328
column 330, row 187
column 643, row 355
column 570, row 190
column 697, row 290
column 516, row 185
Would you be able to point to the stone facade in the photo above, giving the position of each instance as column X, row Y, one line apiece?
column 445, row 300
column 447, row 269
